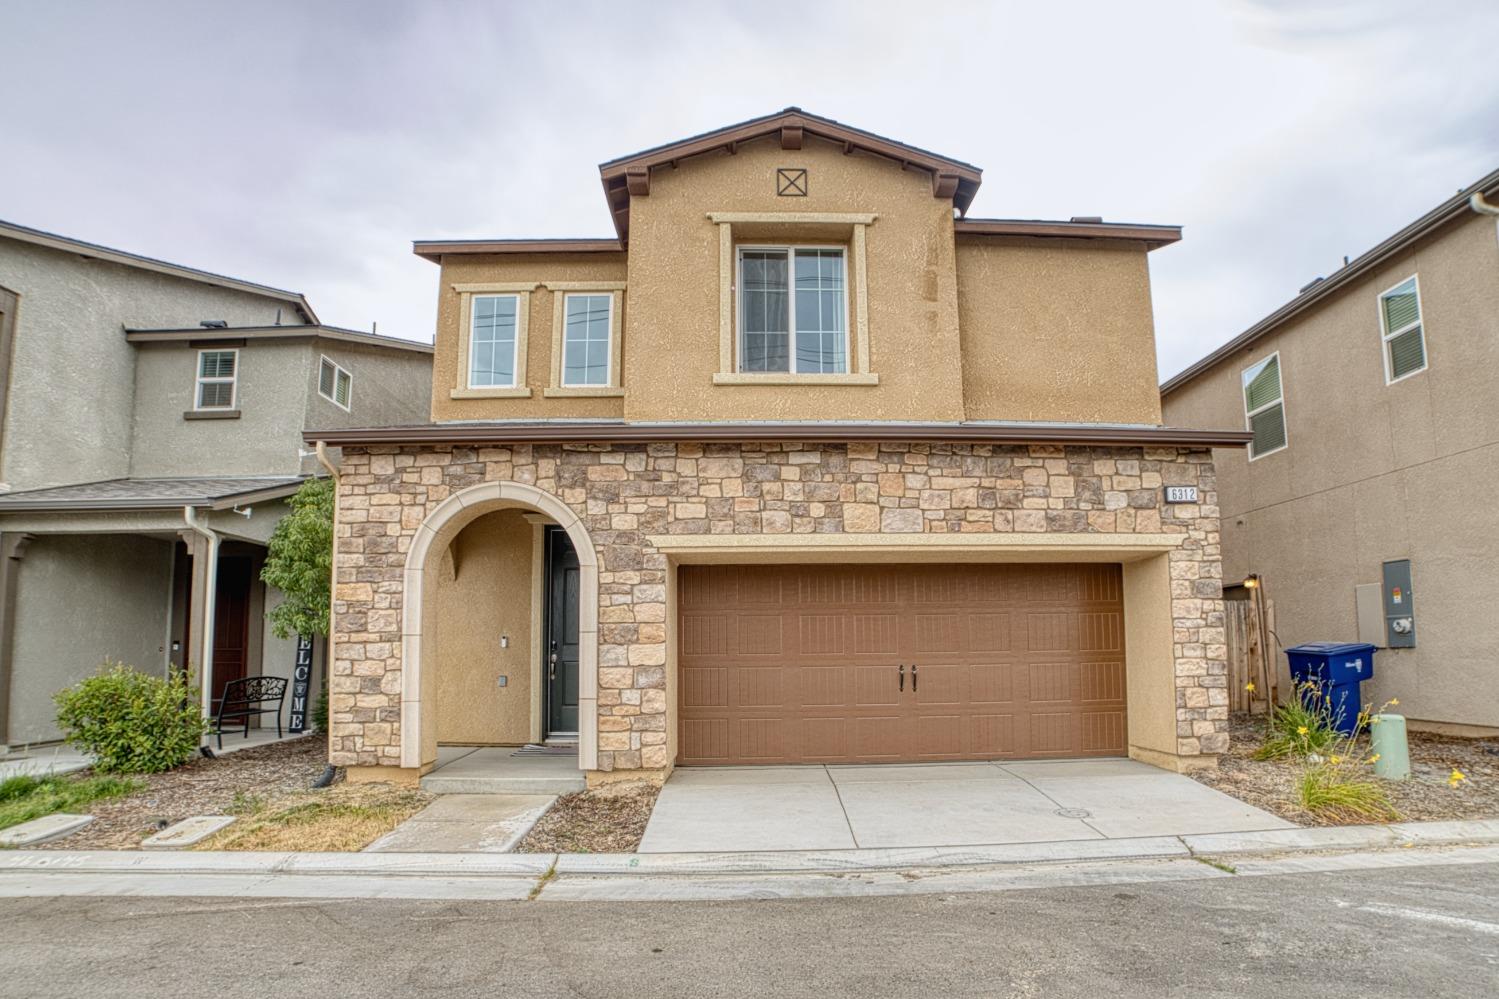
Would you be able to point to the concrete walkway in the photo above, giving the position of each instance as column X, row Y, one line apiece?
column 466, row 823
column 502, row 770
column 935, row 805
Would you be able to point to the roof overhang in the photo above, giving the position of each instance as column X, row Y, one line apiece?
column 1448, row 211
column 64, row 499
column 589, row 431
column 93, row 250
column 630, row 176
column 221, row 334
column 435, row 249
column 1153, row 236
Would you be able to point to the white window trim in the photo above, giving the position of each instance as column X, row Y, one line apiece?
column 609, row 370
column 338, row 369
column 199, row 380
column 518, row 389
column 790, row 249
column 1285, row 424
column 1386, row 335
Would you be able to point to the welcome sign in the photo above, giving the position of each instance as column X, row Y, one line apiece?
column 301, row 679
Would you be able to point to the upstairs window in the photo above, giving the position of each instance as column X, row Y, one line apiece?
column 1264, row 407
column 217, row 371
column 492, row 341
column 793, row 314
column 585, row 345
column 334, row 383
column 1400, row 324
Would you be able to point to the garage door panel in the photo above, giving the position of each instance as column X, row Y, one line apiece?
column 800, row 663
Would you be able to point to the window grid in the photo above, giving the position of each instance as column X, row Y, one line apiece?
column 793, row 293
column 492, row 341
column 1402, row 331
column 217, row 375
column 586, row 339
column 1264, row 407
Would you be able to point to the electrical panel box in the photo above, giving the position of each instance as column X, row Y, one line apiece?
column 1399, row 605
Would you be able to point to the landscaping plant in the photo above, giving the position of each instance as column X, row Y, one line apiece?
column 26, row 796
column 132, row 722
column 1301, row 727
column 299, row 562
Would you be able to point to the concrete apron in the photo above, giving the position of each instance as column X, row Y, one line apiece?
column 806, row 874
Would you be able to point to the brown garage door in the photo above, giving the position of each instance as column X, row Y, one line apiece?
column 880, row 664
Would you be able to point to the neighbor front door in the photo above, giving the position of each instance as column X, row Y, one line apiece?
column 231, row 621
column 561, row 634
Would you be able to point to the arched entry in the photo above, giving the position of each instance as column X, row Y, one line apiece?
column 418, row 731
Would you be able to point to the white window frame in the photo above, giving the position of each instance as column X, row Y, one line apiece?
column 338, row 369
column 1386, row 335
column 608, row 344
column 1285, row 424
column 515, row 349
column 199, row 381
column 790, row 249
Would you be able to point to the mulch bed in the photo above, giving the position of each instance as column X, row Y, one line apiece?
column 608, row 819
column 199, row 787
column 1424, row 797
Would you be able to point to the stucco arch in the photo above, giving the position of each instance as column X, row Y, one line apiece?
column 432, row 538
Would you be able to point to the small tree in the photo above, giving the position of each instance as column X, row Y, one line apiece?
column 132, row 723
column 299, row 562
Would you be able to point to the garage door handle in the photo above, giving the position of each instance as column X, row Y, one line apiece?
column 902, row 676
column 913, row 678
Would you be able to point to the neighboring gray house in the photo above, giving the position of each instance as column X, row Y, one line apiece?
column 150, row 433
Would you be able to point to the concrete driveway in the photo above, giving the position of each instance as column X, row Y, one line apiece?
column 935, row 804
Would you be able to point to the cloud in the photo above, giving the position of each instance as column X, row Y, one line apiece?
column 306, row 145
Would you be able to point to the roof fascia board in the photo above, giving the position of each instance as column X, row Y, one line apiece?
column 435, row 249
column 273, row 333
column 1153, row 236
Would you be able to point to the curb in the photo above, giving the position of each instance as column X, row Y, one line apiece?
column 828, row 862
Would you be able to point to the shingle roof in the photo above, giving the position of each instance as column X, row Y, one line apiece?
column 152, row 494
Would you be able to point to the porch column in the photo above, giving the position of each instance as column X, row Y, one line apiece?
column 200, row 607
column 12, row 550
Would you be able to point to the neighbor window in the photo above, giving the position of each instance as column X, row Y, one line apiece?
column 1400, row 323
column 216, row 375
column 492, row 341
column 793, row 310
column 1264, row 407
column 334, row 383
column 585, row 343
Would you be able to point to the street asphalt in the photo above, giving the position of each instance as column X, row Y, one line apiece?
column 1418, row 931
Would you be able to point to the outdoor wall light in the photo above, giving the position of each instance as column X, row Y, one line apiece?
column 1251, row 581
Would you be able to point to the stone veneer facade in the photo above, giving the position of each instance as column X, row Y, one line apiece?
column 626, row 493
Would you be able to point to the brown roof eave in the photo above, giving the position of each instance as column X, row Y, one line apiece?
column 1153, row 236
column 435, row 249
column 581, row 432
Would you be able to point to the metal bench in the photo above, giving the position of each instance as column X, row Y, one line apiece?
column 243, row 699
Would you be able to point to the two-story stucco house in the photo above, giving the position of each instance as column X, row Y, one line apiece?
column 803, row 464
column 152, row 419
column 1363, row 500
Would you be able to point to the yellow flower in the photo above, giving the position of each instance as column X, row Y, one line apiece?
column 1374, row 758
column 1457, row 777
column 1374, row 720
column 1395, row 700
column 1335, row 760
column 1249, row 686
column 1302, row 730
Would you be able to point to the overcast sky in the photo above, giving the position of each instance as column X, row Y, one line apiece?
column 304, row 145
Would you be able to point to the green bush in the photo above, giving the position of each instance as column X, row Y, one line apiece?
column 131, row 722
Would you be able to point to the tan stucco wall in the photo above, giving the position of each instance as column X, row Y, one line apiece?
column 484, row 592
column 1375, row 472
column 448, row 367
column 1056, row 329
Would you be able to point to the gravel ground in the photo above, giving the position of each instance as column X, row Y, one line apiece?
column 199, row 787
column 608, row 819
column 1425, row 797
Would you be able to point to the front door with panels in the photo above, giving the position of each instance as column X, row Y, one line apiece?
column 892, row 663
column 561, row 659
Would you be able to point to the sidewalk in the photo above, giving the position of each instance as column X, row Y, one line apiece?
column 803, row 874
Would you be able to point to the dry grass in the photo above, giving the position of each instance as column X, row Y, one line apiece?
column 1425, row 797
column 608, row 819
column 338, row 819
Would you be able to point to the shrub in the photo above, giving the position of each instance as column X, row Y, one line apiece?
column 1301, row 727
column 1336, row 790
column 132, row 722
column 299, row 562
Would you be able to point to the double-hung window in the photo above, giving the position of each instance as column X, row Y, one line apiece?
column 793, row 313
column 1400, row 325
column 492, row 341
column 586, row 350
column 334, row 383
column 1264, row 407
column 217, row 373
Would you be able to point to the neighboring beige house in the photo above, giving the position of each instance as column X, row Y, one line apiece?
column 802, row 465
column 152, row 418
column 1364, row 501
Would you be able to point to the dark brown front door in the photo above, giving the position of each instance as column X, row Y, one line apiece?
column 899, row 663
column 231, row 621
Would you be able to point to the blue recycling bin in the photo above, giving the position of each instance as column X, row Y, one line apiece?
column 1337, row 669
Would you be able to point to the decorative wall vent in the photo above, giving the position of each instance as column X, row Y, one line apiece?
column 791, row 183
